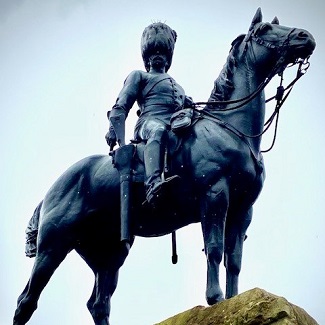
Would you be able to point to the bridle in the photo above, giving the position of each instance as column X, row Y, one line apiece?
column 281, row 94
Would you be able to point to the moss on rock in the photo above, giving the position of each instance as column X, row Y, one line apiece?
column 253, row 307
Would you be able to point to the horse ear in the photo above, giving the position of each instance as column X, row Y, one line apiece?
column 257, row 18
column 275, row 21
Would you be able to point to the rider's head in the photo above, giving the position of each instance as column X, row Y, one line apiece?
column 158, row 37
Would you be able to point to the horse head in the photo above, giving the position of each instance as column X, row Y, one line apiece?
column 254, row 59
column 273, row 46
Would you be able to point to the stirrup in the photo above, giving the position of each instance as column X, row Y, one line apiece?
column 155, row 192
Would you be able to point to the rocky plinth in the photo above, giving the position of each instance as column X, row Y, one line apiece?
column 253, row 307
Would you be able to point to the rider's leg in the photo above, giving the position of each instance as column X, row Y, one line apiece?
column 154, row 153
column 155, row 133
column 154, row 158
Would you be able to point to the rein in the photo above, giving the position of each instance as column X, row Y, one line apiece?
column 277, row 67
column 280, row 96
column 280, row 100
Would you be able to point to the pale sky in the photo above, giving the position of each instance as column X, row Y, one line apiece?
column 62, row 66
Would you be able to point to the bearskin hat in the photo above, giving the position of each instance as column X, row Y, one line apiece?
column 158, row 36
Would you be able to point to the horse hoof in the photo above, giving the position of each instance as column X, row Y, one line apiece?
column 215, row 298
column 213, row 301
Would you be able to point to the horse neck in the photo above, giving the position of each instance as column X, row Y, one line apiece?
column 248, row 119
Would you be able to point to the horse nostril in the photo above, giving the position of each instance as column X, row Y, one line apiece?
column 302, row 34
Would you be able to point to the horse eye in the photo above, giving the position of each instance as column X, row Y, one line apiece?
column 265, row 27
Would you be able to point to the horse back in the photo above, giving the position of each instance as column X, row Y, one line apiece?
column 87, row 187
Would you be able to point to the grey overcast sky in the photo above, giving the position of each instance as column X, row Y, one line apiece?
column 62, row 66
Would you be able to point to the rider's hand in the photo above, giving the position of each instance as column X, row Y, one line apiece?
column 111, row 137
column 188, row 102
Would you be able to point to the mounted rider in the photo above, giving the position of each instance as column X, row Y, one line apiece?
column 158, row 97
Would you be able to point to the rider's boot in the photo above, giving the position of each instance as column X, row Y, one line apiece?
column 154, row 161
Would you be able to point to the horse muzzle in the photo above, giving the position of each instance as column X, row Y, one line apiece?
column 302, row 44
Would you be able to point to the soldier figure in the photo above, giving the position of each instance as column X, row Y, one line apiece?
column 158, row 97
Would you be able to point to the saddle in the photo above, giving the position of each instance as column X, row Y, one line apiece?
column 129, row 158
column 129, row 161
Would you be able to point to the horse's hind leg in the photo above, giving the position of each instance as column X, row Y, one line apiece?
column 45, row 264
column 99, row 303
column 234, row 238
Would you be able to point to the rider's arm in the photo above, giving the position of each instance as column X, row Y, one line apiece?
column 127, row 96
column 129, row 93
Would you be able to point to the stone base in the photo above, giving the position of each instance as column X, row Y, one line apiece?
column 252, row 307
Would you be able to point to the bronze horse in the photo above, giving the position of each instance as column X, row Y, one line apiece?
column 221, row 171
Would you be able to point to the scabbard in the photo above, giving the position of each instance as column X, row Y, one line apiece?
column 123, row 162
column 125, row 198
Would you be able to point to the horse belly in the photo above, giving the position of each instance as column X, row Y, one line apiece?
column 179, row 209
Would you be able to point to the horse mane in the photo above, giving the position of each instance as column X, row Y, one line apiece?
column 223, row 85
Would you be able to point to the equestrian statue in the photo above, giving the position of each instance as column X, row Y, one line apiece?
column 206, row 166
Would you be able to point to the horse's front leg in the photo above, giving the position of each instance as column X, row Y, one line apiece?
column 99, row 304
column 236, row 227
column 213, row 215
column 106, row 278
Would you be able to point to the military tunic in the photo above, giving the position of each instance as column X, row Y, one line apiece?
column 158, row 96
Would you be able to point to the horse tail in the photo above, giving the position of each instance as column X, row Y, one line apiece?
column 32, row 232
